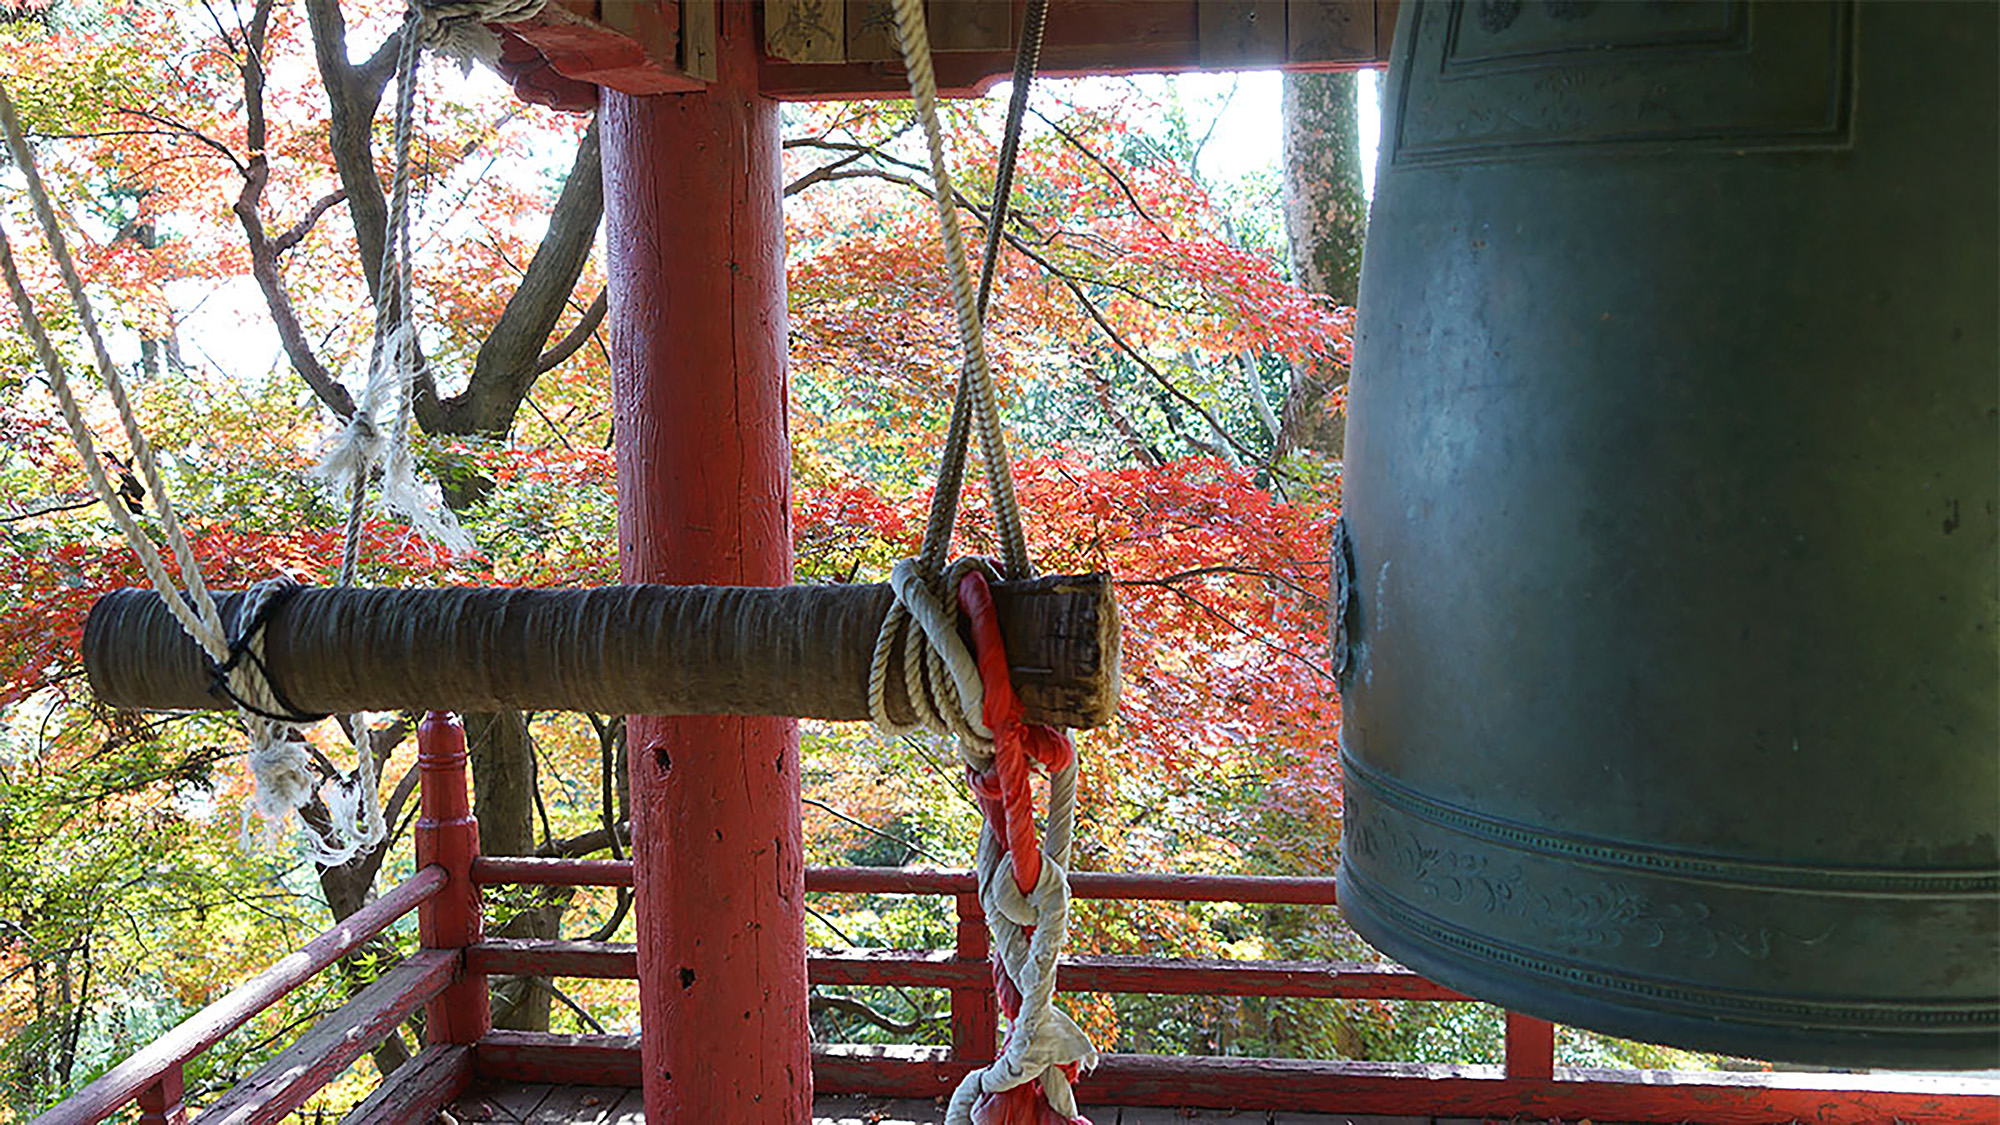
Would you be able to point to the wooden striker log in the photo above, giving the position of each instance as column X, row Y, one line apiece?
column 658, row 650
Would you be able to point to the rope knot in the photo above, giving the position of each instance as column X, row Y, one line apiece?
column 458, row 28
column 940, row 675
column 242, row 676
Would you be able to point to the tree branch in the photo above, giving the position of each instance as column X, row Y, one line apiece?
column 509, row 360
column 353, row 95
column 301, row 228
column 821, row 174
column 576, row 337
column 263, row 252
column 913, row 849
column 1308, row 663
column 175, row 128
column 850, row 1007
column 1205, row 571
column 595, row 840
column 1091, row 155
column 69, row 506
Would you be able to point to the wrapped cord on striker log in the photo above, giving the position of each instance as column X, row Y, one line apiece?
column 798, row 650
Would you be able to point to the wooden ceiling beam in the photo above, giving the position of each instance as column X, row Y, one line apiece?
column 822, row 49
column 816, row 49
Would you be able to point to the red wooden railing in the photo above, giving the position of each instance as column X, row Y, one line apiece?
column 1529, row 1083
column 447, row 905
column 448, row 975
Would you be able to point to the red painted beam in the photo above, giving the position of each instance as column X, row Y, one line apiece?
column 1428, row 1089
column 941, row 969
column 124, row 1082
column 532, row 957
column 419, row 1088
column 1134, row 886
column 1531, row 1047
column 165, row 1101
column 1311, row 1086
column 275, row 1090
column 975, row 1008
column 534, row 871
column 1084, row 37
column 1147, row 886
column 447, row 838
column 1151, row 975
column 696, row 269
column 537, row 1056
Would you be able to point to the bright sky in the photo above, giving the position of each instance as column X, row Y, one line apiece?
column 1247, row 136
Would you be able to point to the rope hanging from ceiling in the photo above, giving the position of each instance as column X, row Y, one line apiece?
column 370, row 445
column 1023, row 885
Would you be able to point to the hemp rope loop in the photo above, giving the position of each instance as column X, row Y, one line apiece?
column 924, row 675
column 1029, row 928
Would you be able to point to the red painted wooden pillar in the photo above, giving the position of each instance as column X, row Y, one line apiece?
column 1531, row 1047
column 975, row 1012
column 163, row 1103
column 696, row 263
column 448, row 836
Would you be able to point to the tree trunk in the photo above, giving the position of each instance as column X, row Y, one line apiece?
column 504, row 373
column 1325, row 214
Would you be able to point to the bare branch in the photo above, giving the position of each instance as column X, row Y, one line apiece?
column 52, row 509
column 595, row 840
column 1206, row 571
column 1091, row 155
column 175, row 128
column 821, row 174
column 1136, row 444
column 576, row 337
column 301, row 228
column 572, row 1005
column 870, row 829
column 850, row 1007
column 1307, row 662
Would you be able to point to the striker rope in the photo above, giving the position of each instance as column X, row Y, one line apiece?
column 941, row 678
column 278, row 757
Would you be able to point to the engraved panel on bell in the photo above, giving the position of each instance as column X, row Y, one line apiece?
column 1516, row 79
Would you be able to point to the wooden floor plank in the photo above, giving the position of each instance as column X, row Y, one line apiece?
column 579, row 1105
column 501, row 1103
column 541, row 1104
column 632, row 1110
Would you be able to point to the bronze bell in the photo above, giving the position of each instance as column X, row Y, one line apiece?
column 1667, row 607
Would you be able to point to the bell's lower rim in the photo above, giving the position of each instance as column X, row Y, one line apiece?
column 1926, row 1035
column 1828, row 879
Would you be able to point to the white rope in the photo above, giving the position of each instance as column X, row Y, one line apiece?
column 278, row 757
column 1045, row 1038
column 941, row 676
column 370, row 442
column 279, row 764
column 457, row 28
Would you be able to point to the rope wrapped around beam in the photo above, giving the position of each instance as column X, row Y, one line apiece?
column 650, row 650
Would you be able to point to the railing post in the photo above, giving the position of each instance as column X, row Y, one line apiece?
column 975, row 1012
column 1531, row 1047
column 161, row 1103
column 447, row 835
